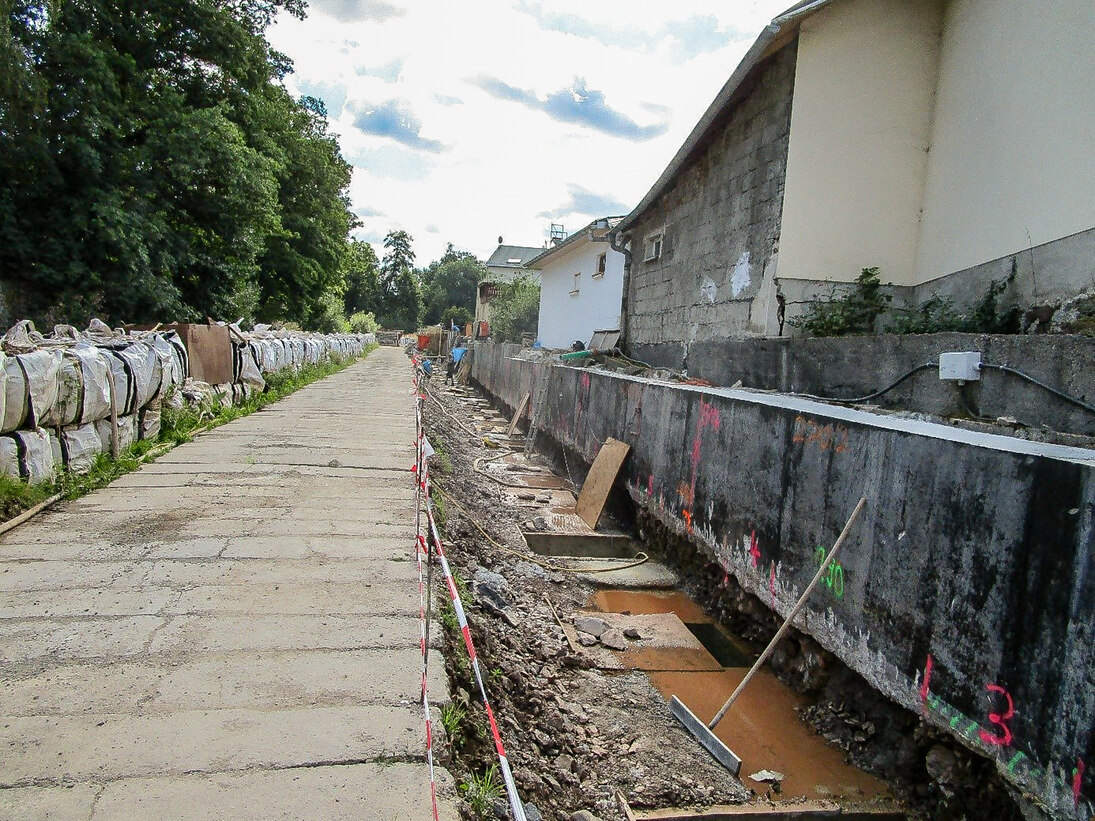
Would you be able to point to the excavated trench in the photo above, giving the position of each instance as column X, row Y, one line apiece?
column 841, row 747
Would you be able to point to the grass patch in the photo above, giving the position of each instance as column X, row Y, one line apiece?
column 481, row 791
column 177, row 425
column 17, row 496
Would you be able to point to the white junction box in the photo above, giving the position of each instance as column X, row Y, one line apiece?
column 964, row 366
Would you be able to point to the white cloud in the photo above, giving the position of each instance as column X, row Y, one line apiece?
column 436, row 154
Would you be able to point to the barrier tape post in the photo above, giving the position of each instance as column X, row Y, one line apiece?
column 422, row 494
column 423, row 594
column 516, row 806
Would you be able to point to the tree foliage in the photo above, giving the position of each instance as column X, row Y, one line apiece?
column 398, row 301
column 153, row 167
column 515, row 310
column 450, row 283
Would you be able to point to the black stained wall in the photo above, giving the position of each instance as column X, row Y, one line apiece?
column 975, row 554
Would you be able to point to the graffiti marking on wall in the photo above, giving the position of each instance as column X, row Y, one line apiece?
column 826, row 437
column 708, row 418
column 834, row 578
column 989, row 741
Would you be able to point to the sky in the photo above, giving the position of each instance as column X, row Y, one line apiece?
column 473, row 120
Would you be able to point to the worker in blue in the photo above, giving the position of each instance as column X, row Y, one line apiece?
column 454, row 362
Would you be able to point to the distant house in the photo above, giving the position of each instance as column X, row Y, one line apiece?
column 581, row 286
column 505, row 264
column 943, row 141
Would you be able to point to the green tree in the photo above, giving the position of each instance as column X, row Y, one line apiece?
column 399, row 301
column 515, row 310
column 450, row 282
column 361, row 278
column 152, row 166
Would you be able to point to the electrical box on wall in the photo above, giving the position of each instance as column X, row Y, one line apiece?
column 963, row 366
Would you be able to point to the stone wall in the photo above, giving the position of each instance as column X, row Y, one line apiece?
column 721, row 222
column 965, row 588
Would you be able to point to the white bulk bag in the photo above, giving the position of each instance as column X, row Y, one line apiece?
column 28, row 454
column 146, row 371
column 95, row 376
column 41, row 368
column 9, row 457
column 127, row 432
column 80, row 446
column 149, row 427
column 15, row 396
column 125, row 394
column 70, row 389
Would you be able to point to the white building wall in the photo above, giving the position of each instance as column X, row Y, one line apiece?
column 861, row 121
column 1012, row 161
column 566, row 317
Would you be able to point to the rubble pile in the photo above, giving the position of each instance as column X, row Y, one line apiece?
column 66, row 397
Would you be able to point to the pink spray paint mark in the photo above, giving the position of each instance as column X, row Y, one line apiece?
column 999, row 719
column 926, row 683
column 709, row 418
column 650, row 485
column 754, row 548
column 1077, row 781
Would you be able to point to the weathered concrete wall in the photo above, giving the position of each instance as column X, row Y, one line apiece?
column 721, row 221
column 966, row 587
column 859, row 366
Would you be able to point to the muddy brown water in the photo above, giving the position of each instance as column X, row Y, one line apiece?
column 763, row 726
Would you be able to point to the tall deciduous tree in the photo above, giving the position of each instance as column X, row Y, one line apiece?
column 152, row 166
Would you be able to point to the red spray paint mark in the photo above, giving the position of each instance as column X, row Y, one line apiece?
column 926, row 683
column 726, row 578
column 708, row 418
column 999, row 719
column 1077, row 780
column 754, row 548
column 772, row 584
column 650, row 485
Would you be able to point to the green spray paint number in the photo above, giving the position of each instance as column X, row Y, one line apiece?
column 834, row 578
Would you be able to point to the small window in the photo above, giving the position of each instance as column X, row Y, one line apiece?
column 653, row 247
column 602, row 263
column 577, row 284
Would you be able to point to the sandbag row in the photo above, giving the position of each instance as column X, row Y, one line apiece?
column 56, row 392
column 274, row 352
column 62, row 386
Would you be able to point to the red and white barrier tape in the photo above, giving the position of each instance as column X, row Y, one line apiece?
column 422, row 480
column 423, row 597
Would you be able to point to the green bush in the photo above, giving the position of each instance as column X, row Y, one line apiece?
column 515, row 310
column 363, row 323
column 853, row 313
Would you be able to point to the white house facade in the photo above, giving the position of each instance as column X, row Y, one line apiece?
column 581, row 286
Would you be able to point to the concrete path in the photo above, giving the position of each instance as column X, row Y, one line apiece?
column 232, row 631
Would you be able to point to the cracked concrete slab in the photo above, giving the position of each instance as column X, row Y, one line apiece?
column 231, row 631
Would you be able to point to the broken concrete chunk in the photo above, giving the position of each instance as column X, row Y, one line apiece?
column 586, row 640
column 590, row 624
column 632, row 633
column 767, row 776
column 614, row 640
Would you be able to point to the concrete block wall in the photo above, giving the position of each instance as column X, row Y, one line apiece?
column 859, row 366
column 965, row 593
column 721, row 222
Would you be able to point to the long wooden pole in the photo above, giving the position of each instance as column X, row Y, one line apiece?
column 791, row 617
